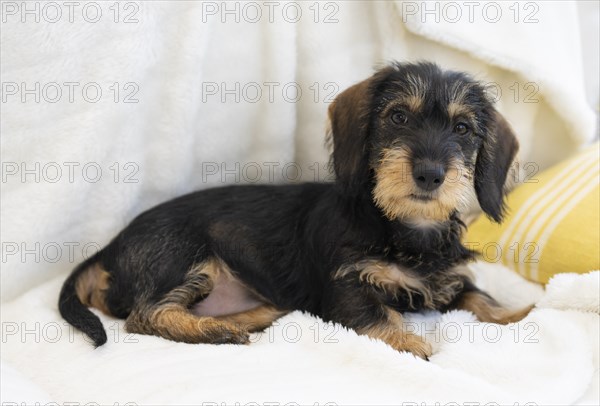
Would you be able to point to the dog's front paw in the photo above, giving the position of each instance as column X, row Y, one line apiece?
column 514, row 316
column 402, row 341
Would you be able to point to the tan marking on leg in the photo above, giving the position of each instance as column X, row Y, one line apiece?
column 389, row 277
column 437, row 290
column 256, row 319
column 487, row 310
column 390, row 331
column 178, row 324
column 91, row 288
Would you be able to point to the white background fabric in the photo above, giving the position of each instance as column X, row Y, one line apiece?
column 550, row 358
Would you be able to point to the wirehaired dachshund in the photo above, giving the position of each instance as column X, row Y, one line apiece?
column 413, row 147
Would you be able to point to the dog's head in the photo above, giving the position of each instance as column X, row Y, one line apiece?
column 424, row 143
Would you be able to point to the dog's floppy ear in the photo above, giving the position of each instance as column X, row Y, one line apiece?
column 348, row 127
column 494, row 160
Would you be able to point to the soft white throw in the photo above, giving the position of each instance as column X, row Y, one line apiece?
column 549, row 358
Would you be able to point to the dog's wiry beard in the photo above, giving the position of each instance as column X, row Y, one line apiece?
column 394, row 192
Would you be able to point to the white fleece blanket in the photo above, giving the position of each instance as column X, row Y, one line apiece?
column 549, row 358
column 77, row 168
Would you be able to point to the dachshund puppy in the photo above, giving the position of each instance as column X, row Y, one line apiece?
column 413, row 146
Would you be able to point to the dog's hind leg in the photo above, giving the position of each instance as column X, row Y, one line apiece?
column 256, row 319
column 172, row 318
column 179, row 324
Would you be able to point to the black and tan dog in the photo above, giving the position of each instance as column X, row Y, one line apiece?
column 412, row 146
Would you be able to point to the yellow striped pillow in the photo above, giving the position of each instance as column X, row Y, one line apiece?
column 553, row 225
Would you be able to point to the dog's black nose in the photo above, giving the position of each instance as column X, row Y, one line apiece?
column 428, row 175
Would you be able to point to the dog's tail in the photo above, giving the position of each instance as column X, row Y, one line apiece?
column 81, row 289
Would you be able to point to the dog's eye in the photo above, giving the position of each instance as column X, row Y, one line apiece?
column 399, row 118
column 461, row 128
